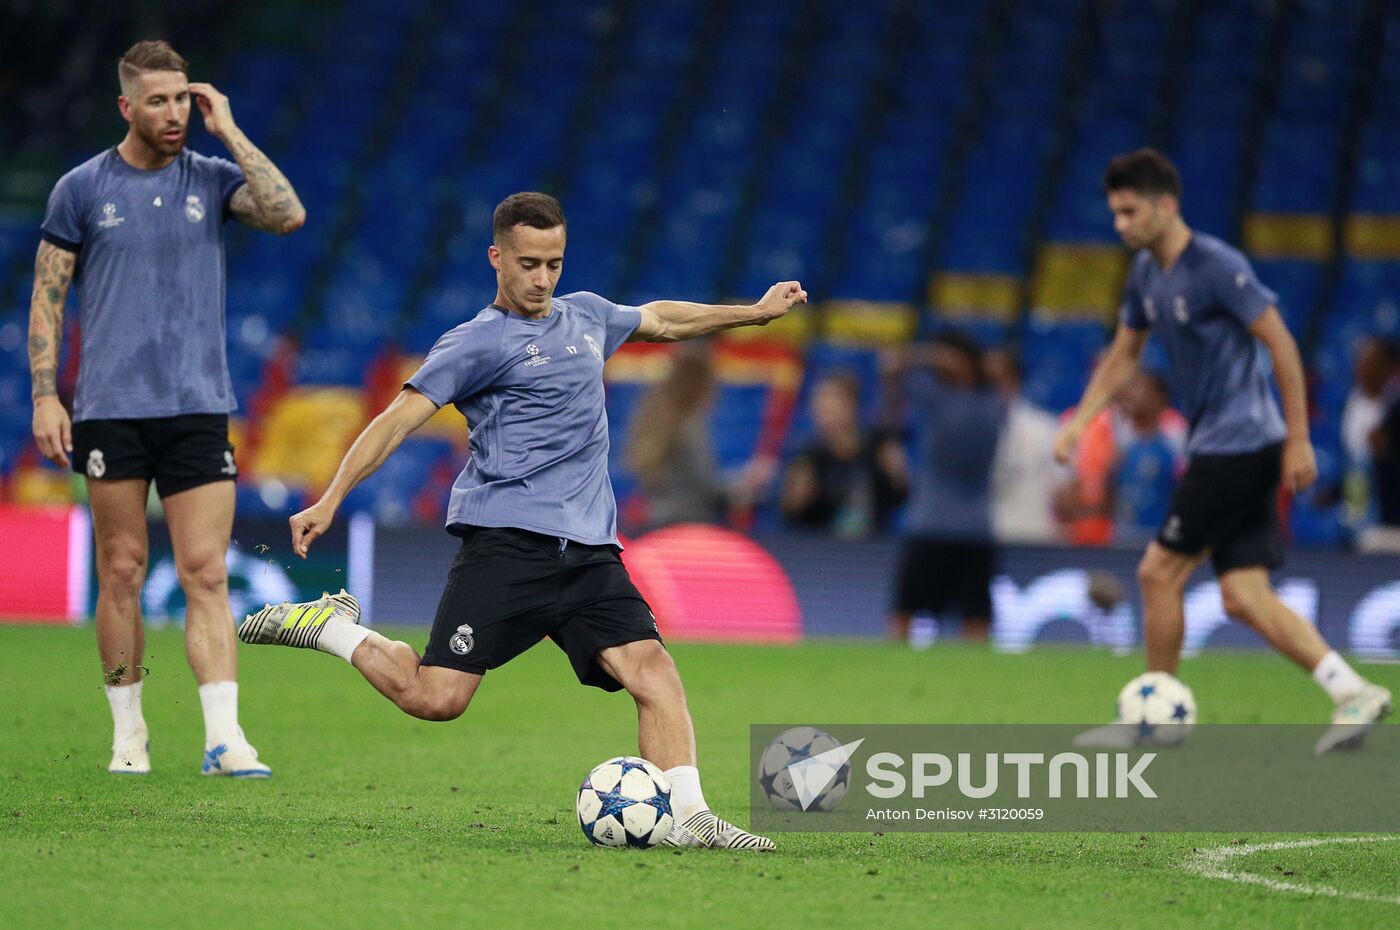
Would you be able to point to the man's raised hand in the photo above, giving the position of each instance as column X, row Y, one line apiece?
column 781, row 298
column 308, row 525
column 214, row 107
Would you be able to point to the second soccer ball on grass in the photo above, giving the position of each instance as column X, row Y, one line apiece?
column 1159, row 705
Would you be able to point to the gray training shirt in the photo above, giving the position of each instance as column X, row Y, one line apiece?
column 956, row 431
column 1201, row 310
column 150, row 282
column 532, row 391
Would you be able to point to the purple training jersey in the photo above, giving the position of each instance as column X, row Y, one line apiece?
column 150, row 282
column 532, row 391
column 1201, row 310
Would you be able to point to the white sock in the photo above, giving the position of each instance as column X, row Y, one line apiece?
column 340, row 638
column 1338, row 679
column 220, row 702
column 126, row 712
column 686, row 796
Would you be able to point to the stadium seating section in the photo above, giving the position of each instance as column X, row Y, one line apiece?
column 915, row 163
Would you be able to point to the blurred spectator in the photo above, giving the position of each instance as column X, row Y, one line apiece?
column 1024, row 472
column 843, row 480
column 1385, row 458
column 1084, row 503
column 949, row 556
column 1151, row 451
column 672, row 455
column 1372, row 394
column 1122, row 454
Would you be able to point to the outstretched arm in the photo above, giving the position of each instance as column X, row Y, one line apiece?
column 1117, row 367
column 385, row 432
column 675, row 320
column 1299, row 459
column 53, row 272
column 267, row 201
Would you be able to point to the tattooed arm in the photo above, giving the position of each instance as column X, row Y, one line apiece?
column 53, row 272
column 267, row 201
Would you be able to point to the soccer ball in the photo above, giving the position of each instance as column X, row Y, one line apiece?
column 1159, row 705
column 831, row 782
column 625, row 802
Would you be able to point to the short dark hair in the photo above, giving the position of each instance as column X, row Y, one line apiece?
column 528, row 208
column 968, row 347
column 1146, row 171
column 960, row 340
column 149, row 55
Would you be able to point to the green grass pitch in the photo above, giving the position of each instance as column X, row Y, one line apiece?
column 377, row 820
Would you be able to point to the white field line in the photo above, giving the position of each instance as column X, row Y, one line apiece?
column 1214, row 863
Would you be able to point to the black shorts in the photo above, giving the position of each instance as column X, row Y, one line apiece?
column 940, row 575
column 1229, row 505
column 179, row 453
column 508, row 589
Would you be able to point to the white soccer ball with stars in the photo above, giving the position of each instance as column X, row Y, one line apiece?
column 1159, row 705
column 826, row 784
column 625, row 801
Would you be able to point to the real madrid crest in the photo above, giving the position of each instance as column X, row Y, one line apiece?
column 462, row 642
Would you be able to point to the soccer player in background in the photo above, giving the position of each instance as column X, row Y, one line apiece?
column 949, row 554
column 1200, row 297
column 534, row 508
column 139, row 230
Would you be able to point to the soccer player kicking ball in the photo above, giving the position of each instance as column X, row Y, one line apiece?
column 1200, row 297
column 139, row 230
column 533, row 506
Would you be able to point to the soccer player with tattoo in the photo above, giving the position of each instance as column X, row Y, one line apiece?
column 138, row 230
column 533, row 507
column 1221, row 330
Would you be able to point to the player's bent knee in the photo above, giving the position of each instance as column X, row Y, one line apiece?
column 203, row 575
column 438, row 694
column 1150, row 574
column 654, row 676
column 439, row 707
column 1158, row 575
column 121, row 573
column 1240, row 605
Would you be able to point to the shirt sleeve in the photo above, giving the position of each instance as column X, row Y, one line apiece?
column 230, row 178
column 619, row 322
column 462, row 362
column 1132, row 313
column 63, row 224
column 1239, row 290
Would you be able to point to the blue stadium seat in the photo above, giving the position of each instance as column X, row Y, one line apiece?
column 1059, row 357
column 1297, row 284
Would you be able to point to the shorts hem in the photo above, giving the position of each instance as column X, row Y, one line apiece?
column 1270, row 563
column 469, row 668
column 164, row 490
column 1178, row 548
